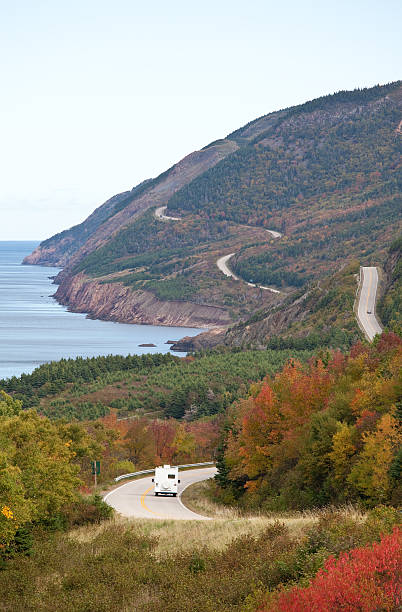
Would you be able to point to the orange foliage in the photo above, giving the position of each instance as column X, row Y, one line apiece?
column 335, row 422
column 271, row 423
column 148, row 442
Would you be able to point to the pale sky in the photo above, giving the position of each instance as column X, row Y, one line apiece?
column 98, row 95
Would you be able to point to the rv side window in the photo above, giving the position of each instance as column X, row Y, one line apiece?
column 171, row 476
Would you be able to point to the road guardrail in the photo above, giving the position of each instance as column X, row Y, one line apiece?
column 142, row 472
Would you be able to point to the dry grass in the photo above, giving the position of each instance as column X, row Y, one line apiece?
column 197, row 498
column 226, row 524
column 174, row 536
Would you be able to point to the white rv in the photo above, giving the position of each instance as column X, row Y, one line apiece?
column 166, row 480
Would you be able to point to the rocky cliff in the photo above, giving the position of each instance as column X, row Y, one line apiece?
column 114, row 302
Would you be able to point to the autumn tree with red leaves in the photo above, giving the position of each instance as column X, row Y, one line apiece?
column 329, row 432
column 362, row 580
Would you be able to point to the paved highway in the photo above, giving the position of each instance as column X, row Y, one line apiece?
column 223, row 267
column 366, row 307
column 136, row 499
column 222, row 261
column 159, row 214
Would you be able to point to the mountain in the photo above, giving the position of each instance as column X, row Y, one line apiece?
column 294, row 198
column 124, row 207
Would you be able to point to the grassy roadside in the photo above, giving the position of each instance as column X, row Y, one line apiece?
column 227, row 525
column 197, row 497
column 175, row 566
column 185, row 536
column 172, row 536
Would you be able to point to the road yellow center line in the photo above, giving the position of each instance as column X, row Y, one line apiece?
column 143, row 504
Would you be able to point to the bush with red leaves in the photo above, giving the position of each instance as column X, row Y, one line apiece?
column 362, row 580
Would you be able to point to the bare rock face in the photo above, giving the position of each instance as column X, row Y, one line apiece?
column 115, row 302
column 279, row 320
column 255, row 334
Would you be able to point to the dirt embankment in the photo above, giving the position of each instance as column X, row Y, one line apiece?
column 115, row 302
column 256, row 334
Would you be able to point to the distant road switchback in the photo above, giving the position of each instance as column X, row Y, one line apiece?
column 136, row 499
column 222, row 264
column 222, row 261
column 159, row 214
column 366, row 308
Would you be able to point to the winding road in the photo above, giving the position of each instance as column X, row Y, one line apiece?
column 222, row 261
column 223, row 267
column 222, row 264
column 136, row 499
column 366, row 307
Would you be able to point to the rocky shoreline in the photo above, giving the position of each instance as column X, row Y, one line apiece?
column 115, row 302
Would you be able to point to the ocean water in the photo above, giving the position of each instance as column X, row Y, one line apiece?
column 35, row 329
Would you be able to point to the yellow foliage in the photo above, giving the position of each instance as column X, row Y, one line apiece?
column 370, row 475
column 342, row 451
column 183, row 444
column 8, row 513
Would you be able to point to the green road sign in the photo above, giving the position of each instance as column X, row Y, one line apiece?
column 95, row 467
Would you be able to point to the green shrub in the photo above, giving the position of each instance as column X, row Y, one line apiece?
column 86, row 511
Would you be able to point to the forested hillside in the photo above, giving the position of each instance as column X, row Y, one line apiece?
column 115, row 213
column 390, row 306
column 322, row 315
column 325, row 174
column 150, row 385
